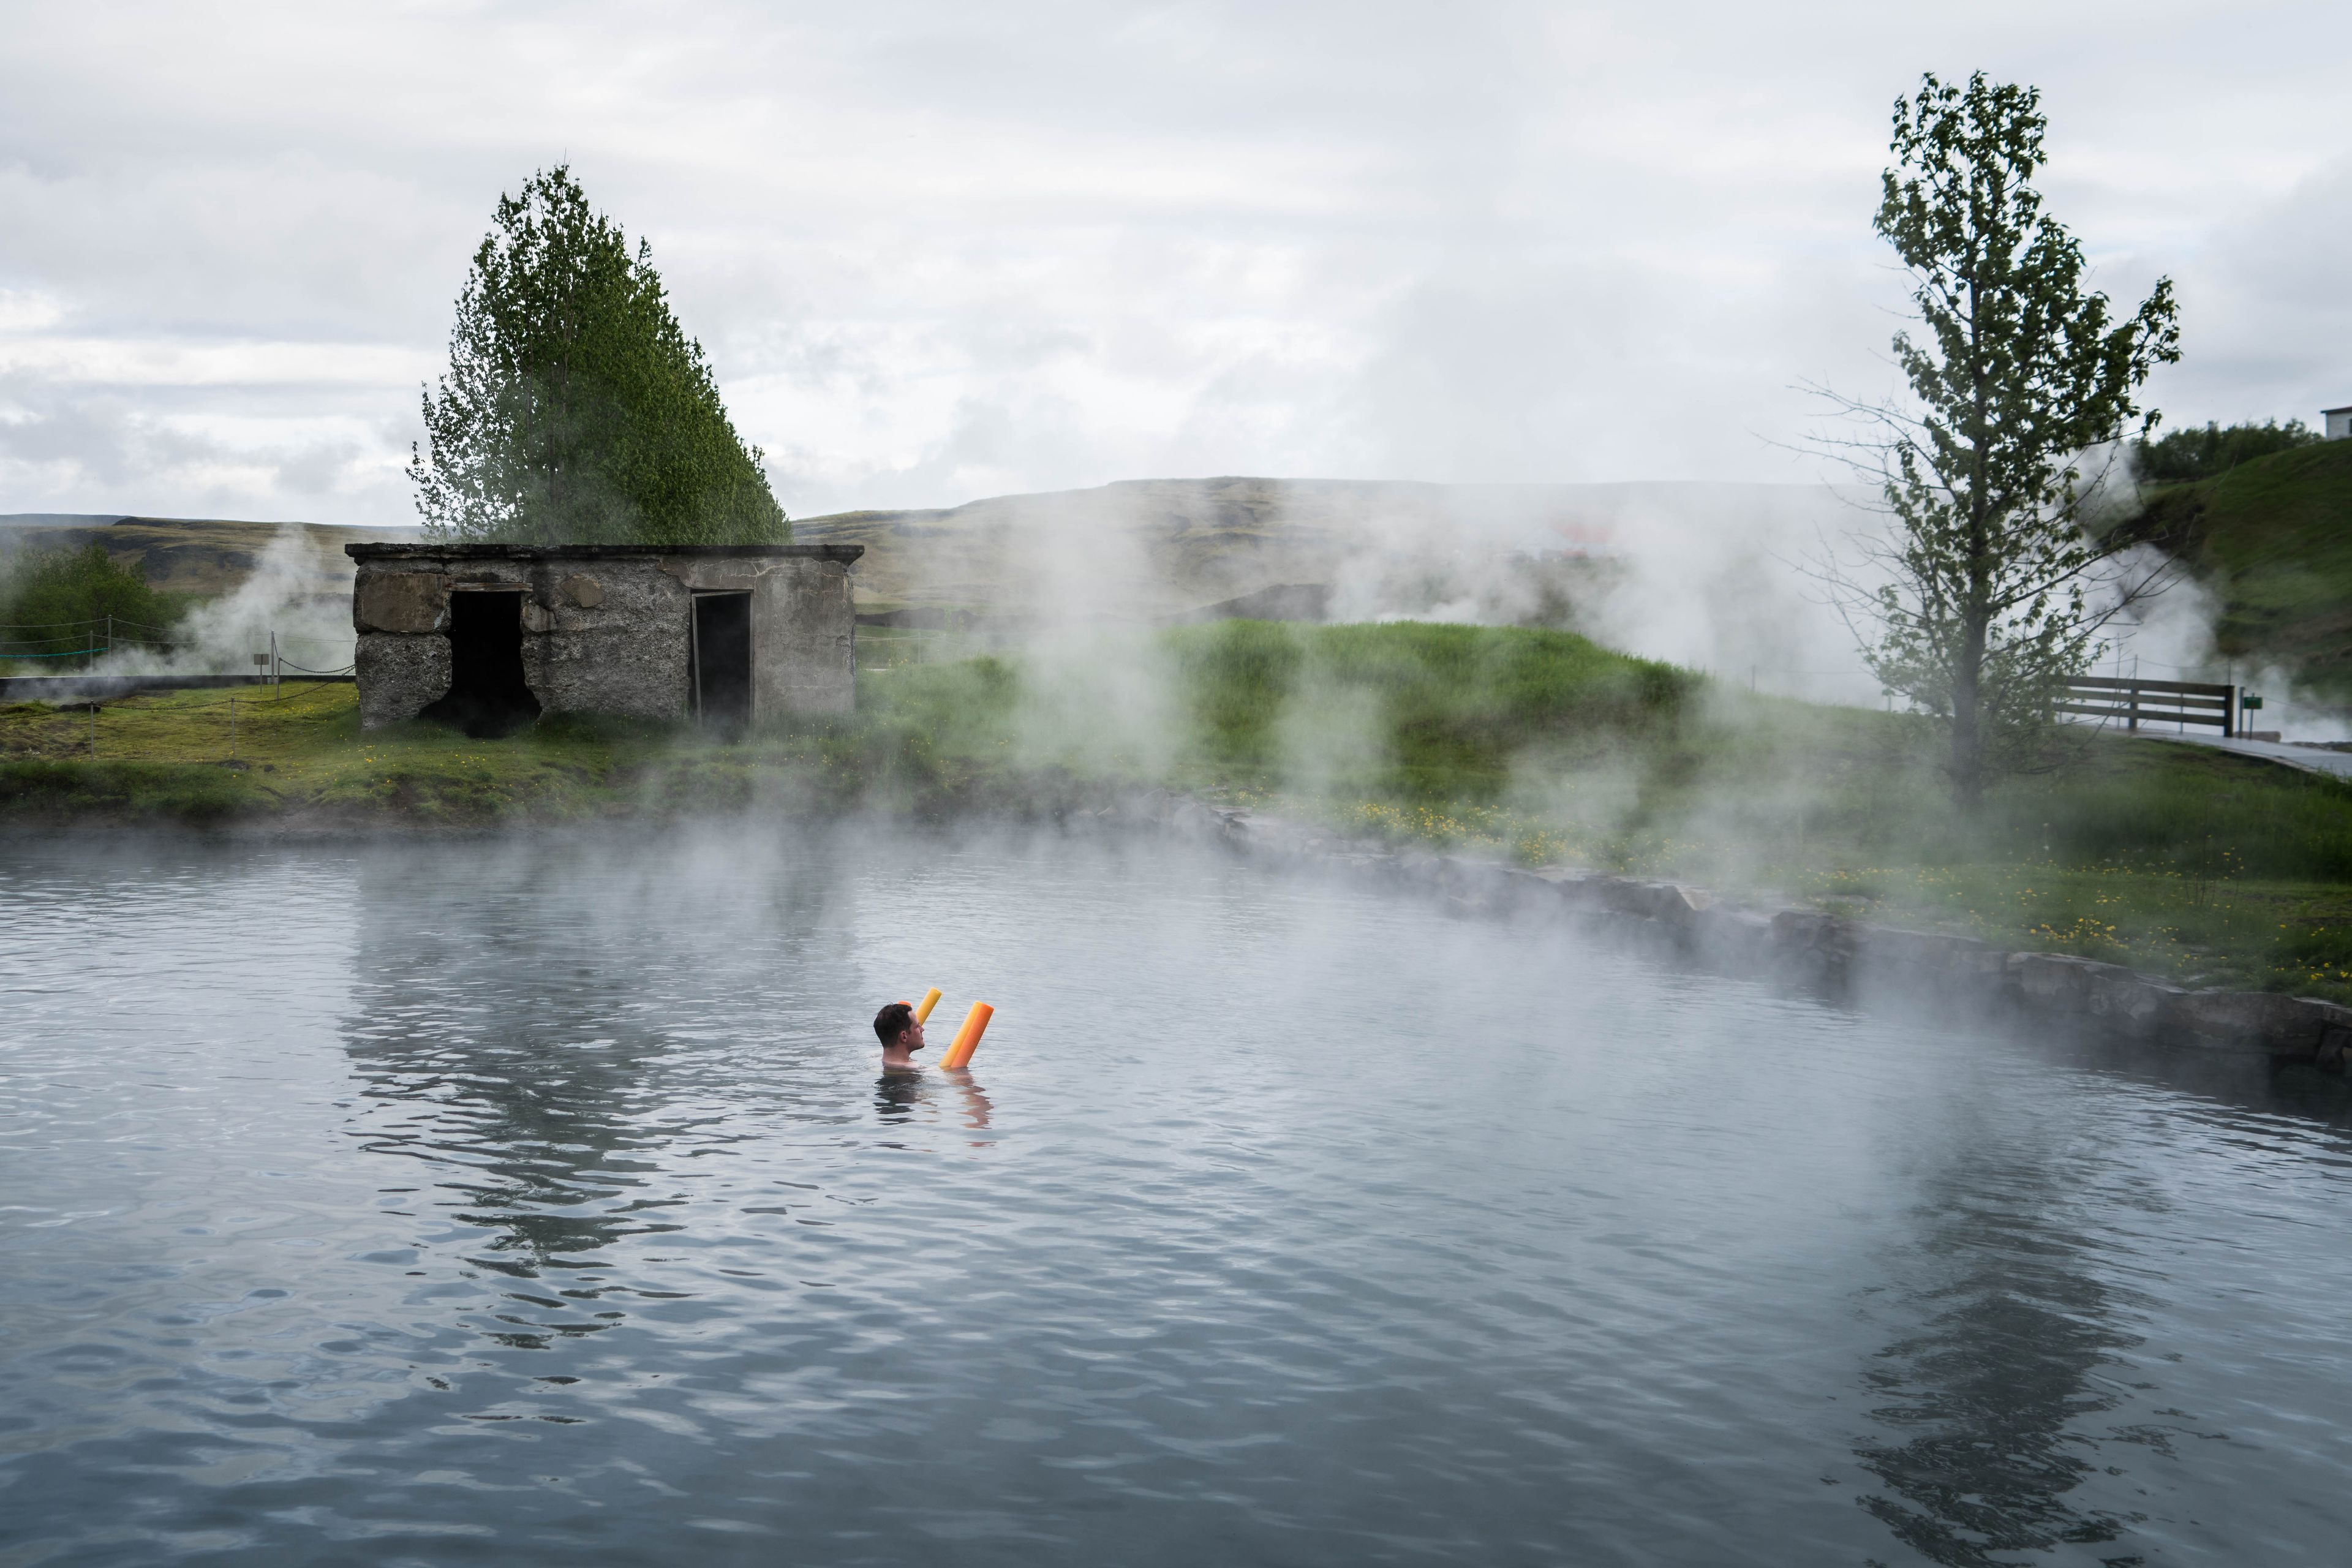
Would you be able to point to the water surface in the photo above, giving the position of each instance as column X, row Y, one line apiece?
column 499, row 1203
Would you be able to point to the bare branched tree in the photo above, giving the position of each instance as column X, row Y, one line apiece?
column 1991, row 587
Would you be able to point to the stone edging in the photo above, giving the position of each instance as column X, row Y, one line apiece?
column 1865, row 962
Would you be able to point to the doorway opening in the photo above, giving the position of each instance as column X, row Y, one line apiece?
column 722, row 659
column 488, row 695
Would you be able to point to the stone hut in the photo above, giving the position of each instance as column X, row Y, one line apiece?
column 490, row 636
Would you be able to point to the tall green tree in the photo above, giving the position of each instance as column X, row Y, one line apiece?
column 1995, row 581
column 575, row 410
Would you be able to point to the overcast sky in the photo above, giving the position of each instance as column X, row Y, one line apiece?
column 942, row 251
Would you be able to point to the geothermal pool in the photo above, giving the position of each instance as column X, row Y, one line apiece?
column 515, row 1203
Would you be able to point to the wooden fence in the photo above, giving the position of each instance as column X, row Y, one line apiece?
column 2154, row 701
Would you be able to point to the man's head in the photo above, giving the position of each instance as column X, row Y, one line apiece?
column 895, row 1026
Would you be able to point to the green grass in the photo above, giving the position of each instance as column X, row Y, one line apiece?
column 1538, row 746
column 1453, row 709
column 2273, row 539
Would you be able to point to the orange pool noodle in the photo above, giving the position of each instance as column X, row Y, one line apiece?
column 967, row 1040
column 923, row 1009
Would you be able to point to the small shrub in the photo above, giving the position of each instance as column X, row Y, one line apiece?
column 56, row 603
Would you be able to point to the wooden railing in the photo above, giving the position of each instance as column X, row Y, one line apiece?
column 2154, row 701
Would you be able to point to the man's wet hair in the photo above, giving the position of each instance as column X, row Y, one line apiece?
column 893, row 1021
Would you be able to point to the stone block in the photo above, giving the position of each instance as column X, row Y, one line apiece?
column 1926, row 964
column 1624, row 896
column 398, row 676
column 2057, row 982
column 1916, row 953
column 1733, row 935
column 1580, row 892
column 2255, row 1022
column 1983, row 970
column 405, row 602
column 2132, row 1004
column 1810, row 931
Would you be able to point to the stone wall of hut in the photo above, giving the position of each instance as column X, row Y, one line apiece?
column 607, row 630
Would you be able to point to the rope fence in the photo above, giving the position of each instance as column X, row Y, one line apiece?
column 94, row 639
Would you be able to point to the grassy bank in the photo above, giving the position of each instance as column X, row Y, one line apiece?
column 2270, row 538
column 1535, row 744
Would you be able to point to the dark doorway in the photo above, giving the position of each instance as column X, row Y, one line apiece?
column 487, row 697
column 722, row 659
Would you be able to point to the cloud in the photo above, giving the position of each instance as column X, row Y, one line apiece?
column 936, row 251
column 228, row 452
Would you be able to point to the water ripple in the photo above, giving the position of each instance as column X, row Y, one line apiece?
column 444, row 1204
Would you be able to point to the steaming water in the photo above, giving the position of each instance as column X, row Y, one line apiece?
column 461, row 1203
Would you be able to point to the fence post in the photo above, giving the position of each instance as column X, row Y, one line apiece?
column 2134, row 699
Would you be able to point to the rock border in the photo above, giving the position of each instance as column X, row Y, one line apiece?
column 1861, row 962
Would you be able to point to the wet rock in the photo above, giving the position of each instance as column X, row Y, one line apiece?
column 1581, row 894
column 2057, row 982
column 1476, row 882
column 1912, row 952
column 1803, row 943
column 1728, row 934
column 1803, row 931
column 1629, row 898
column 1674, row 902
column 1813, row 946
column 1928, row 965
column 2134, row 1005
column 2256, row 1022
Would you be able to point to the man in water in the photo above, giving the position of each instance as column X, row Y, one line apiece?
column 901, row 1036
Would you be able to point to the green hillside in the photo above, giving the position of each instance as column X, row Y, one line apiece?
column 2272, row 538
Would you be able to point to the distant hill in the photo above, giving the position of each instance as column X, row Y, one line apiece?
column 202, row 556
column 1693, row 572
column 2272, row 539
column 59, row 518
column 1162, row 549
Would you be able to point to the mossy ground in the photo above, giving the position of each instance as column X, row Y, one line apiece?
column 2212, row 867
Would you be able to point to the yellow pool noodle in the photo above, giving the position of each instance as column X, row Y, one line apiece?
column 923, row 1008
column 967, row 1040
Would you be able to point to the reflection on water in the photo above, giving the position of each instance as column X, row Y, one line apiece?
column 514, row 1076
column 518, row 1202
column 900, row 1096
column 1995, row 1389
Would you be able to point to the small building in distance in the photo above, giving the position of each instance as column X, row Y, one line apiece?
column 2337, row 423
column 490, row 636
